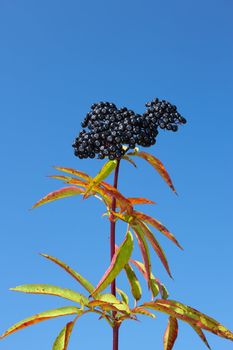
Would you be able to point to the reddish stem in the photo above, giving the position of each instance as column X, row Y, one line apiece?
column 112, row 252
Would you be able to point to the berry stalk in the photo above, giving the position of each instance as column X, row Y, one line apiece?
column 112, row 252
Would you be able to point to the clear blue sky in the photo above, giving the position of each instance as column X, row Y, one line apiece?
column 58, row 57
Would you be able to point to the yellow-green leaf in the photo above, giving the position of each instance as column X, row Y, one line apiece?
column 62, row 340
column 118, row 262
column 43, row 316
column 142, row 311
column 49, row 289
column 170, row 333
column 103, row 173
column 134, row 282
column 77, row 173
column 59, row 194
column 123, row 295
column 83, row 281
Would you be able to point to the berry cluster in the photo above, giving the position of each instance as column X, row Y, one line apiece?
column 163, row 114
column 113, row 131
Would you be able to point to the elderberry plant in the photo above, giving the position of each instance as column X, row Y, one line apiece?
column 112, row 133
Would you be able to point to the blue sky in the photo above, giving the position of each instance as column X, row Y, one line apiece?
column 56, row 59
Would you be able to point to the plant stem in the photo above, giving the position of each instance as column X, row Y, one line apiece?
column 112, row 252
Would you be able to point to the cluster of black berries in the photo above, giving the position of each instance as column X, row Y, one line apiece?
column 113, row 131
column 163, row 114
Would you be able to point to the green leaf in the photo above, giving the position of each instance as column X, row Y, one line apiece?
column 77, row 173
column 191, row 316
column 123, row 295
column 103, row 173
column 111, row 299
column 62, row 340
column 52, row 290
column 59, row 194
column 83, row 281
column 157, row 165
column 134, row 282
column 118, row 262
column 43, row 316
column 170, row 333
column 155, row 244
column 155, row 223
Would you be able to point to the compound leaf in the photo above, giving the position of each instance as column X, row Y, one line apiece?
column 77, row 173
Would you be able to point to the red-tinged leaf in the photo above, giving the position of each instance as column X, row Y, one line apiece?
column 59, row 194
column 119, row 260
column 191, row 316
column 122, row 201
column 43, row 316
column 49, row 289
column 134, row 282
column 155, row 223
column 201, row 335
column 140, row 201
column 70, row 180
column 77, row 173
column 144, row 249
column 62, row 340
column 170, row 333
column 130, row 160
column 157, row 164
column 105, row 171
column 83, row 281
column 155, row 285
column 142, row 311
column 155, row 244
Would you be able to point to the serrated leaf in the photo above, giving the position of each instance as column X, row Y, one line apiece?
column 170, row 333
column 140, row 235
column 118, row 262
column 155, row 244
column 191, row 316
column 140, row 201
column 160, row 227
column 134, row 282
column 83, row 281
column 59, row 194
column 62, row 340
column 77, row 173
column 142, row 311
column 123, row 295
column 46, row 315
column 157, row 165
column 49, row 289
column 105, row 171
